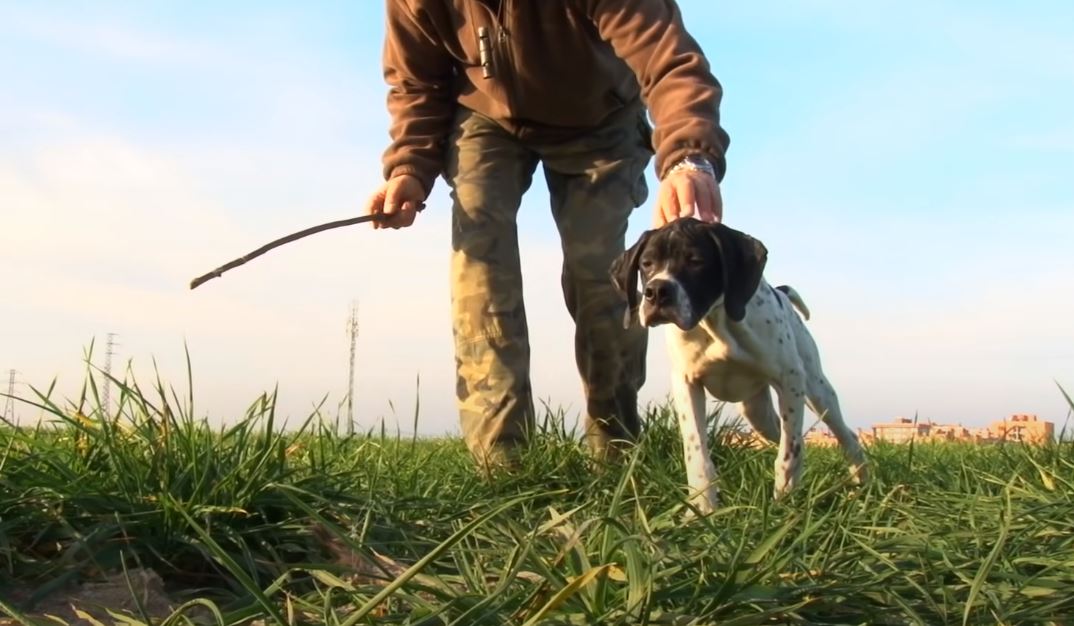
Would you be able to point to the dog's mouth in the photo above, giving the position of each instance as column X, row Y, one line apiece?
column 666, row 302
column 656, row 316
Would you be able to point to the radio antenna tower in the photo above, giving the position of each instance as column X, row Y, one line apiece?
column 105, row 394
column 9, row 405
column 352, row 331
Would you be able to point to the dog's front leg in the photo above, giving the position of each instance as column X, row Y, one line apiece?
column 689, row 401
column 791, row 391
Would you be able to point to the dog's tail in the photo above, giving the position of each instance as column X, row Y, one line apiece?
column 795, row 299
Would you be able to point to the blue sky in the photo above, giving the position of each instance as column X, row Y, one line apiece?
column 907, row 164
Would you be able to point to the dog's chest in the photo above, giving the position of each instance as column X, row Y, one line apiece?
column 722, row 368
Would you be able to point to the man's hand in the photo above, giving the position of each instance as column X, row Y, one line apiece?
column 398, row 199
column 688, row 193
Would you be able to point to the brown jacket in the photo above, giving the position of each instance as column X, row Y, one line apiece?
column 558, row 67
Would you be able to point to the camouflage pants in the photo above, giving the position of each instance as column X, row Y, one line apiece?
column 595, row 181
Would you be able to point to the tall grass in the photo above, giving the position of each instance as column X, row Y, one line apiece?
column 309, row 525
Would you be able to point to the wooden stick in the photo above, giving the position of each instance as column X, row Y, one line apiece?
column 288, row 239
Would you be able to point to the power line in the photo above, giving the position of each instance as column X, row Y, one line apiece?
column 352, row 331
column 106, row 393
column 9, row 405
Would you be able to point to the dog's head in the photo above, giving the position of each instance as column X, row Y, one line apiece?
column 687, row 268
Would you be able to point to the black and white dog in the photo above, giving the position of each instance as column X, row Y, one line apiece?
column 730, row 333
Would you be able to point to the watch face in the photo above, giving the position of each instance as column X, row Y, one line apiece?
column 699, row 162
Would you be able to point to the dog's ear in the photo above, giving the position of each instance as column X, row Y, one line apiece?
column 624, row 273
column 744, row 259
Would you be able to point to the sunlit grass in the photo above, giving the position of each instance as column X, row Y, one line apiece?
column 308, row 525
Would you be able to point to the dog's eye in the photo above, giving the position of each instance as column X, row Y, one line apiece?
column 695, row 261
column 646, row 264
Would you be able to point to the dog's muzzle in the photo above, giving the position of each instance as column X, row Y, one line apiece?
column 659, row 292
column 664, row 301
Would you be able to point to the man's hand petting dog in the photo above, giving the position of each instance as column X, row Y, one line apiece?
column 688, row 193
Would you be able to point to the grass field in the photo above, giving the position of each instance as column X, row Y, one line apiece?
column 249, row 523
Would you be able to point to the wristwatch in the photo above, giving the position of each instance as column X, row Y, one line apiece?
column 693, row 162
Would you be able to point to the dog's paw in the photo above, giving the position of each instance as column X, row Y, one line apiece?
column 783, row 487
column 859, row 473
column 703, row 504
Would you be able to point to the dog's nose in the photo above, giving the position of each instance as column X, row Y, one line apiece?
column 658, row 292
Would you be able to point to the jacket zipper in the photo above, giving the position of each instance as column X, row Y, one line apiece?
column 508, row 51
column 502, row 57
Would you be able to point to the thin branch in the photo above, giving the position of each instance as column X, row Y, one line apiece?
column 288, row 239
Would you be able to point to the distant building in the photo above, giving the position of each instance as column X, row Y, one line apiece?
column 948, row 432
column 984, row 435
column 743, row 437
column 1023, row 428
column 1020, row 427
column 902, row 430
column 824, row 438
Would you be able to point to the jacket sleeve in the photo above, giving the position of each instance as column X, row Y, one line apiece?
column 420, row 75
column 682, row 95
